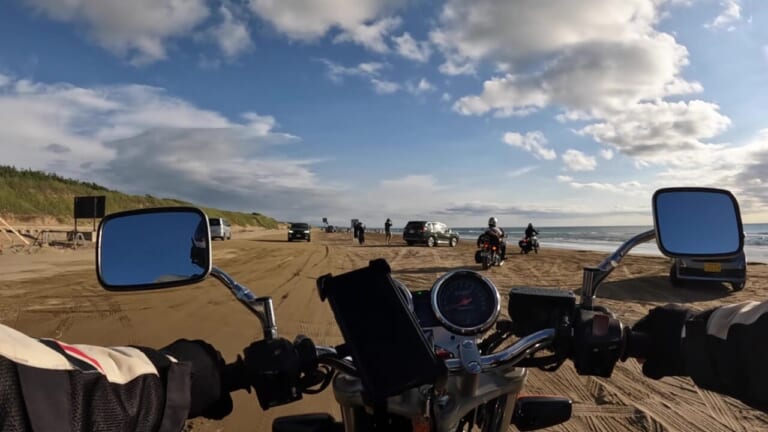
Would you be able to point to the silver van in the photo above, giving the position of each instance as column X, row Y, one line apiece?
column 220, row 228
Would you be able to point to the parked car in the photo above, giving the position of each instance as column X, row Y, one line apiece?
column 299, row 231
column 220, row 228
column 732, row 271
column 429, row 233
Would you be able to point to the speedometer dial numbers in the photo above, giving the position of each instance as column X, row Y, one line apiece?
column 465, row 302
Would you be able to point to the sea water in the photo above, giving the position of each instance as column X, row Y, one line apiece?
column 608, row 238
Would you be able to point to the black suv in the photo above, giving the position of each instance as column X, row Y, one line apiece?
column 429, row 233
column 299, row 231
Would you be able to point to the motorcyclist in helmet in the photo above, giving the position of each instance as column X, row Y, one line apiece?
column 530, row 231
column 497, row 234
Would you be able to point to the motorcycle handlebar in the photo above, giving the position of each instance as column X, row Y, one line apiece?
column 636, row 344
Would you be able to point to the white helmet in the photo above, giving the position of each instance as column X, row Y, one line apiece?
column 492, row 222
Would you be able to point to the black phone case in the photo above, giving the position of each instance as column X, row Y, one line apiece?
column 387, row 345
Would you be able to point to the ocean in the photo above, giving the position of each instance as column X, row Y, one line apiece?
column 608, row 238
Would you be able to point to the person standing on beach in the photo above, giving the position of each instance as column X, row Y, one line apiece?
column 361, row 233
column 388, row 230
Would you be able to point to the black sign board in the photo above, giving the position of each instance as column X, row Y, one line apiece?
column 325, row 220
column 90, row 207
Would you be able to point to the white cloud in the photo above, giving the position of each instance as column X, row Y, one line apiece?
column 534, row 142
column 137, row 30
column 659, row 131
column 623, row 187
column 614, row 69
column 408, row 47
column 140, row 139
column 606, row 154
column 446, row 97
column 423, row 86
column 384, row 87
column 577, row 161
column 337, row 72
column 521, row 171
column 371, row 36
column 564, row 179
column 731, row 14
column 231, row 34
column 365, row 22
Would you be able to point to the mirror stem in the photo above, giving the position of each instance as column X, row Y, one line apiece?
column 260, row 306
column 594, row 276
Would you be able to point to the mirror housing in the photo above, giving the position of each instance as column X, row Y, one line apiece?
column 153, row 248
column 697, row 222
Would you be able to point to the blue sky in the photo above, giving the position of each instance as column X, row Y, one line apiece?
column 554, row 111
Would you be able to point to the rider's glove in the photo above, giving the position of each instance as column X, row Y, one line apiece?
column 208, row 397
column 664, row 326
column 273, row 369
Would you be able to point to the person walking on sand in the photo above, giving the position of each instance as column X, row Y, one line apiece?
column 388, row 231
column 361, row 233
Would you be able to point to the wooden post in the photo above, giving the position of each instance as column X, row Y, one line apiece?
column 14, row 231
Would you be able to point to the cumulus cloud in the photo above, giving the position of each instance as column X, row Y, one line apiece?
column 534, row 142
column 371, row 36
column 384, row 87
column 577, row 161
column 231, row 34
column 606, row 154
column 423, row 86
column 137, row 30
column 614, row 69
column 336, row 72
column 730, row 14
column 365, row 22
column 657, row 131
column 140, row 139
column 408, row 47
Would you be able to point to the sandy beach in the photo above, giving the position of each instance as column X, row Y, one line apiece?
column 54, row 293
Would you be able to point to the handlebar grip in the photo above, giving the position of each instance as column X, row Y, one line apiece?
column 638, row 344
column 234, row 376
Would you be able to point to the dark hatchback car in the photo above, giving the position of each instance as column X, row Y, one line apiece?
column 299, row 231
column 429, row 233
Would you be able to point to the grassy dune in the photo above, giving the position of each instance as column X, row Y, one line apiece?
column 31, row 194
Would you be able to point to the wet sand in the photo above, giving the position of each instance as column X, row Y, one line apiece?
column 55, row 294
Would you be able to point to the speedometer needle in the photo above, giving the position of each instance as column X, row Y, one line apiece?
column 463, row 302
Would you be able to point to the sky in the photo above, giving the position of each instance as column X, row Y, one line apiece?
column 547, row 111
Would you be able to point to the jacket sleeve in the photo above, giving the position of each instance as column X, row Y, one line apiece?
column 726, row 351
column 47, row 385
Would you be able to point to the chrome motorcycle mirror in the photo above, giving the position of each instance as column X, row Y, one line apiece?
column 153, row 248
column 697, row 222
column 688, row 222
column 166, row 247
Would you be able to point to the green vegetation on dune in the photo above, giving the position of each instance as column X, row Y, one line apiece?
column 28, row 193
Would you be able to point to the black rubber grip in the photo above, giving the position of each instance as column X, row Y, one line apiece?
column 638, row 345
column 234, row 376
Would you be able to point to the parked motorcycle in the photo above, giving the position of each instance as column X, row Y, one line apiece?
column 488, row 253
column 420, row 361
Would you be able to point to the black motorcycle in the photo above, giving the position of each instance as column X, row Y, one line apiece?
column 489, row 251
column 421, row 361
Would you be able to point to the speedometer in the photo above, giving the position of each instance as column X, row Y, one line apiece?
column 465, row 302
